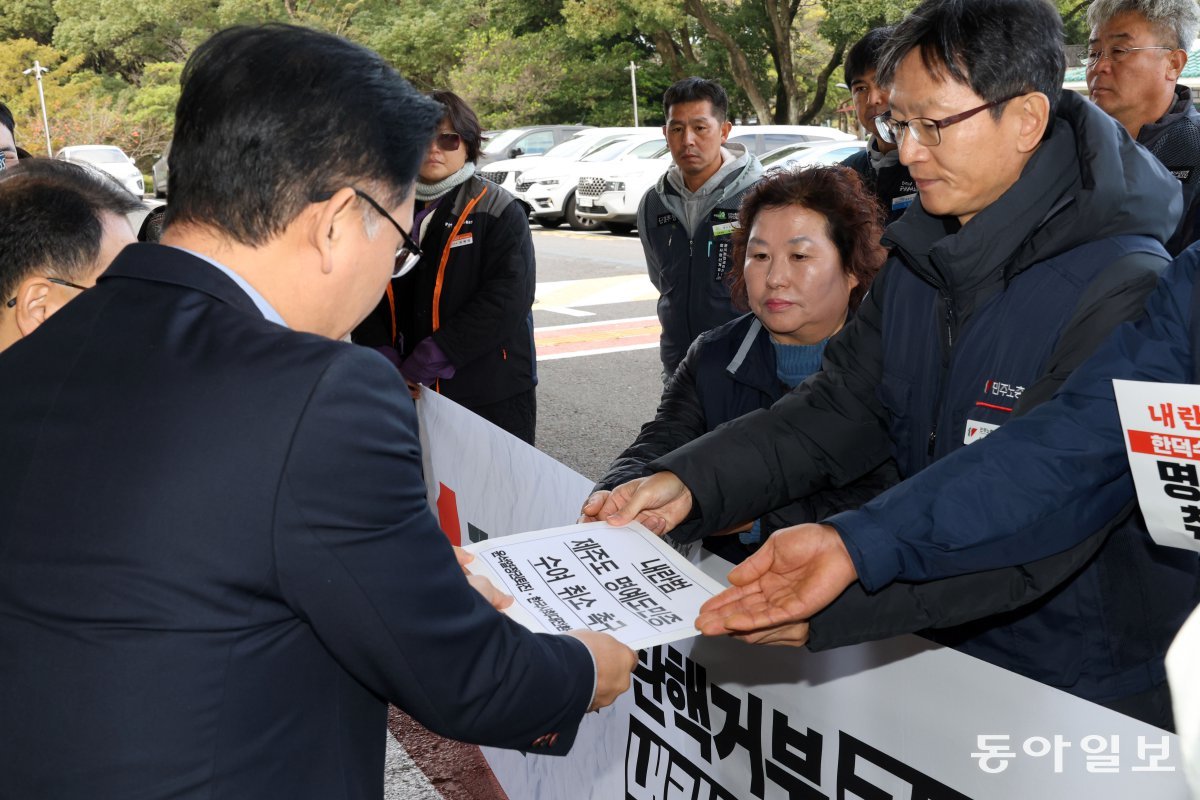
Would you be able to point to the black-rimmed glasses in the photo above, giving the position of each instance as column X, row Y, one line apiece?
column 927, row 132
column 60, row 282
column 1114, row 54
column 408, row 253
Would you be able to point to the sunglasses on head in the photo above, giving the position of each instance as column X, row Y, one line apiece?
column 448, row 142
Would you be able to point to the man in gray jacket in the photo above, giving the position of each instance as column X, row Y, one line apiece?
column 686, row 220
column 1136, row 53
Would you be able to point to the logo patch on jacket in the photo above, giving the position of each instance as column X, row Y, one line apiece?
column 1006, row 393
column 905, row 195
column 462, row 240
column 977, row 430
column 1182, row 173
column 665, row 219
column 724, row 228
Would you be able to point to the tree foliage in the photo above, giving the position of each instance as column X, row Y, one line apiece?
column 114, row 64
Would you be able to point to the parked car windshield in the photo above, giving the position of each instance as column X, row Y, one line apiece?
column 570, row 148
column 101, row 155
column 782, row 153
column 502, row 141
column 650, row 149
column 606, row 151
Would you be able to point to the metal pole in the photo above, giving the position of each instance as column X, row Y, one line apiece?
column 37, row 70
column 633, row 81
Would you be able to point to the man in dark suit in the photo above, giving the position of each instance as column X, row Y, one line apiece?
column 216, row 557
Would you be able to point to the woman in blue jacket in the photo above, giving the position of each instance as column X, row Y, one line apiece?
column 803, row 258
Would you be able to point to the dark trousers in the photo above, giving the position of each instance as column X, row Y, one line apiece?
column 517, row 414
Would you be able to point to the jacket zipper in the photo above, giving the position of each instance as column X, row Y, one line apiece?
column 947, row 347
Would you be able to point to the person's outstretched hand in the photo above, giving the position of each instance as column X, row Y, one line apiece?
column 796, row 573
column 614, row 665
column 660, row 502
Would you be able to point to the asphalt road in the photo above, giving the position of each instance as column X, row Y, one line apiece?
column 591, row 405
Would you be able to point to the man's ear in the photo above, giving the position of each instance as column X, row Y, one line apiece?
column 327, row 225
column 726, row 127
column 1176, row 61
column 34, row 304
column 1033, row 112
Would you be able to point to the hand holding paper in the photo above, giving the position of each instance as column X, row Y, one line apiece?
column 497, row 598
column 614, row 665
column 659, row 502
column 796, row 573
column 593, row 506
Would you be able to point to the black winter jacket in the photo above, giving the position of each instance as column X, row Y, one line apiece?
column 727, row 372
column 972, row 325
column 892, row 184
column 473, row 292
column 1175, row 141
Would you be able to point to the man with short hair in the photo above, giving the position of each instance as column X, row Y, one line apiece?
column 1136, row 52
column 686, row 219
column 219, row 563
column 61, row 225
column 879, row 164
column 1037, row 230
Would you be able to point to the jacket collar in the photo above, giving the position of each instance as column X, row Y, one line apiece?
column 753, row 363
column 1181, row 108
column 161, row 264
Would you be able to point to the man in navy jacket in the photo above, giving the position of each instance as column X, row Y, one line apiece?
column 218, row 560
column 1038, row 229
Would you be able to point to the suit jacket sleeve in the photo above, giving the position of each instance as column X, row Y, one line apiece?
column 501, row 303
column 361, row 560
column 829, row 431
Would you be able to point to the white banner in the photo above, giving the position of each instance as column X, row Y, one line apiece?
column 715, row 718
column 1162, row 440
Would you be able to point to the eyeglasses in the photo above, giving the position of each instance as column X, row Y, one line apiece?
column 60, row 282
column 447, row 142
column 1114, row 54
column 927, row 132
column 408, row 254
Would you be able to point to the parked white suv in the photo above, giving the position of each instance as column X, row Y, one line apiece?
column 509, row 171
column 550, row 190
column 609, row 194
column 110, row 159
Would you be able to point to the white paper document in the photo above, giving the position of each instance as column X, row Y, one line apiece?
column 625, row 582
column 1162, row 439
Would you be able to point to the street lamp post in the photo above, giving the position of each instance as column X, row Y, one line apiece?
column 37, row 70
column 633, row 68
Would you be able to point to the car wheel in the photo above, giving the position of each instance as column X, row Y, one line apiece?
column 619, row 228
column 547, row 222
column 575, row 221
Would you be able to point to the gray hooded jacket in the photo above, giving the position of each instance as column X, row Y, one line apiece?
column 686, row 237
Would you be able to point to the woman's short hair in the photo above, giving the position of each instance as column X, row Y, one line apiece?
column 853, row 221
column 462, row 118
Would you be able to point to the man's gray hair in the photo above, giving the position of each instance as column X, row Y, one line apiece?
column 1179, row 18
